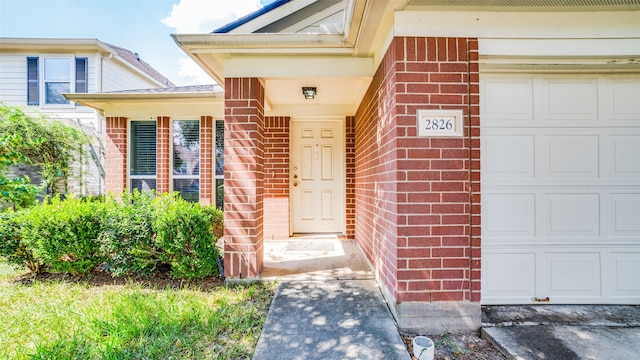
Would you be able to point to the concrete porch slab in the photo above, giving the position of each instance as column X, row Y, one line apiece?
column 314, row 257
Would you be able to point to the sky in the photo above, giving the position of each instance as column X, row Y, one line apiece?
column 142, row 26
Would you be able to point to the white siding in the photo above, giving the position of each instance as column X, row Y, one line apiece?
column 13, row 78
column 117, row 77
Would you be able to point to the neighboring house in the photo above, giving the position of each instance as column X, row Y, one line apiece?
column 34, row 73
column 479, row 153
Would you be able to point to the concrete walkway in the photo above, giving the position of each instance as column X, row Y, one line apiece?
column 327, row 305
column 564, row 332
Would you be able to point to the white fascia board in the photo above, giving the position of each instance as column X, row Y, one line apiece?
column 46, row 44
column 603, row 48
column 217, row 43
column 298, row 66
column 541, row 25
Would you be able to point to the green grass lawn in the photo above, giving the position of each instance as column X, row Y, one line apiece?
column 57, row 319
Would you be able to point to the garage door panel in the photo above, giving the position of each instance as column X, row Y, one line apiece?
column 509, row 276
column 508, row 98
column 508, row 216
column 622, row 100
column 509, row 156
column 625, row 152
column 572, row 215
column 573, row 156
column 626, row 270
column 572, row 274
column 625, row 215
column 569, row 99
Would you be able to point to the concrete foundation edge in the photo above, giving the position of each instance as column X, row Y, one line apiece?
column 438, row 317
column 434, row 317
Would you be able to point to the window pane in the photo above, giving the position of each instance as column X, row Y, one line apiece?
column 186, row 147
column 219, row 147
column 54, row 93
column 143, row 148
column 145, row 185
column 220, row 193
column 57, row 70
column 189, row 189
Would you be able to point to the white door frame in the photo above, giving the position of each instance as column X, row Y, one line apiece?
column 341, row 182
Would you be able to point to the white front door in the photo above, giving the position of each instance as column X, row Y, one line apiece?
column 317, row 179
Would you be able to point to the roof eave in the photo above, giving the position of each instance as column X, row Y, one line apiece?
column 223, row 46
column 124, row 96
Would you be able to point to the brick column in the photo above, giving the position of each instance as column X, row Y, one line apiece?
column 163, row 155
column 243, row 177
column 207, row 196
column 116, row 155
column 437, row 258
column 418, row 198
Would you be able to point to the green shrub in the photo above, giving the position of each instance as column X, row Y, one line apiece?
column 63, row 234
column 217, row 220
column 184, row 234
column 12, row 248
column 127, row 239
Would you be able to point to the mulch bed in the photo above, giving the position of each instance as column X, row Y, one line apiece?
column 462, row 346
column 98, row 278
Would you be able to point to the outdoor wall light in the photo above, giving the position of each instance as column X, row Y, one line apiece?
column 309, row 92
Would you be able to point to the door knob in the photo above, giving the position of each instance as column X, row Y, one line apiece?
column 295, row 183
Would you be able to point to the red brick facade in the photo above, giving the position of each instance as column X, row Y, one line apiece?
column 116, row 155
column 243, row 177
column 163, row 154
column 418, row 199
column 207, row 143
column 350, row 181
column 276, row 179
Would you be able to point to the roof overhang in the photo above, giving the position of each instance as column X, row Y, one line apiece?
column 284, row 61
column 53, row 44
column 149, row 105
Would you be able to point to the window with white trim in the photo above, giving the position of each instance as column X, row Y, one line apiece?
column 142, row 155
column 186, row 159
column 50, row 77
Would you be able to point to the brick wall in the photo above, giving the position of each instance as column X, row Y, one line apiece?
column 375, row 177
column 243, row 177
column 276, row 179
column 350, row 188
column 116, row 155
column 207, row 183
column 163, row 154
column 433, row 253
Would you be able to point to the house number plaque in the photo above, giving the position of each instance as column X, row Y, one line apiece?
column 439, row 123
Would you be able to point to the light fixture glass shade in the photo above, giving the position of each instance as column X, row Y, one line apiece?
column 309, row 92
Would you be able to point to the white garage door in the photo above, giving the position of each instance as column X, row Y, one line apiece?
column 560, row 188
